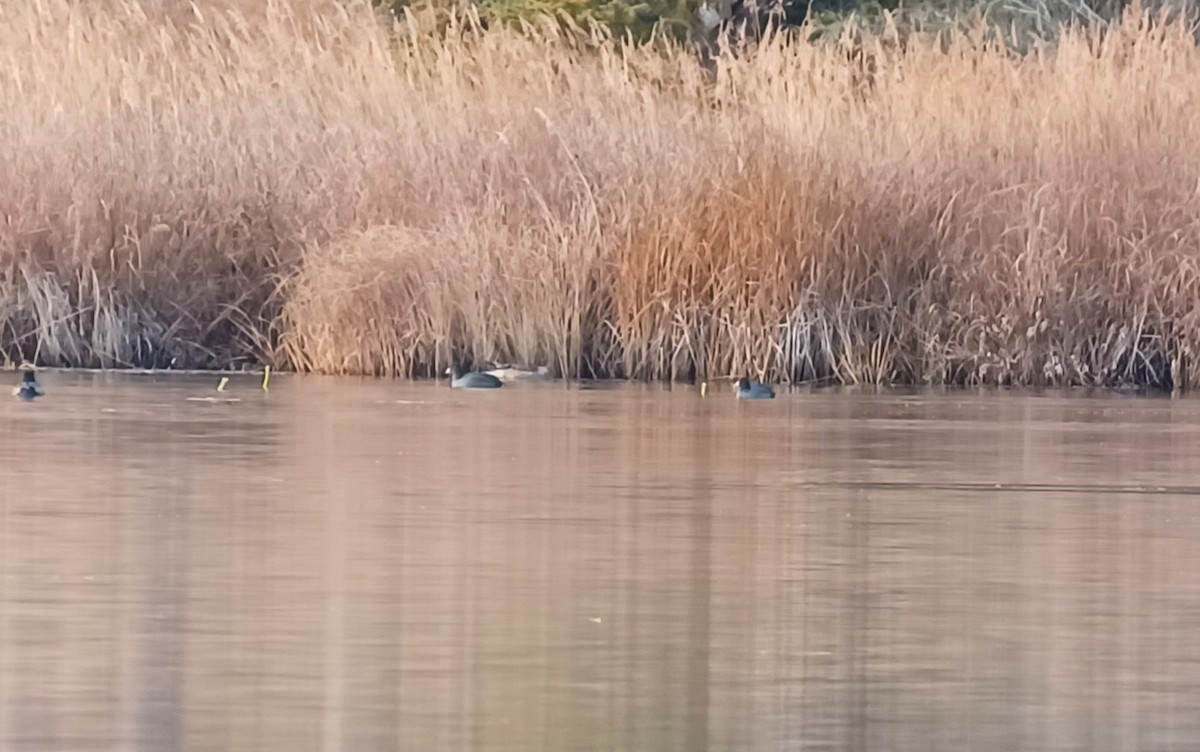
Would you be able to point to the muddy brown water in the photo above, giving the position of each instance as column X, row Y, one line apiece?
column 345, row 564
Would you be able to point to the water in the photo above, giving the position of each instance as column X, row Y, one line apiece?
column 361, row 565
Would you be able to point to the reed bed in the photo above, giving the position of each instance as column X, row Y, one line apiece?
column 311, row 189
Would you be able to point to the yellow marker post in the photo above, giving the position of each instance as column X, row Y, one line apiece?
column 703, row 388
column 266, row 377
column 224, row 381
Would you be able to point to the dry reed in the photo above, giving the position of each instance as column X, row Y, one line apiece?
column 306, row 189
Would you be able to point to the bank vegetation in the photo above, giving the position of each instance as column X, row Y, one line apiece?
column 319, row 190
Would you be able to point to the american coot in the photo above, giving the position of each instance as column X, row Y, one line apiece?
column 28, row 388
column 472, row 380
column 747, row 389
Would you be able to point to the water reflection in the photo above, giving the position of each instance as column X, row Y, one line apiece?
column 366, row 565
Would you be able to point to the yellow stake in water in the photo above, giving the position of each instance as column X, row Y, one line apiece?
column 266, row 377
column 703, row 388
column 224, row 381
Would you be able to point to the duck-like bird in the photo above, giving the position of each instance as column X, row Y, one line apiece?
column 28, row 389
column 747, row 389
column 473, row 380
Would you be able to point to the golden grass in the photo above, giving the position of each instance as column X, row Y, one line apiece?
column 305, row 190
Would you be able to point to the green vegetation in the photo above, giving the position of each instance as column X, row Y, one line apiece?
column 821, row 19
column 310, row 190
column 638, row 20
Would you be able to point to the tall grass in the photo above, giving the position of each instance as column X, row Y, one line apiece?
column 311, row 189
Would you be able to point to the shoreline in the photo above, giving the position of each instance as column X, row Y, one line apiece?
column 786, row 387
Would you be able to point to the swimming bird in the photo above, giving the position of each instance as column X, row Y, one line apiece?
column 29, row 388
column 473, row 380
column 747, row 389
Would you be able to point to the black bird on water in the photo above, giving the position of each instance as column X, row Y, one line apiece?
column 28, row 389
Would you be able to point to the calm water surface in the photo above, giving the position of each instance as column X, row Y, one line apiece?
column 362, row 565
